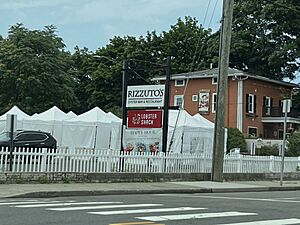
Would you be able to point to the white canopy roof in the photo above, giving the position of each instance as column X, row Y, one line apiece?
column 71, row 115
column 113, row 117
column 183, row 118
column 205, row 122
column 94, row 115
column 52, row 114
column 15, row 110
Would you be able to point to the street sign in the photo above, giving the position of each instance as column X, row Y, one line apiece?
column 145, row 96
column 144, row 118
column 287, row 103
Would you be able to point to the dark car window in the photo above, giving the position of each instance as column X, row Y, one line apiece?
column 30, row 137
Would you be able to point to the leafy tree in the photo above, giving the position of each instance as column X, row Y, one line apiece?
column 185, row 42
column 294, row 144
column 105, row 88
column 235, row 139
column 266, row 37
column 34, row 69
column 180, row 42
column 81, row 70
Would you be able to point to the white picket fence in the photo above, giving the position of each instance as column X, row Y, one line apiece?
column 104, row 161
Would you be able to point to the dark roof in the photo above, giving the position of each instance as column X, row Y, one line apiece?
column 214, row 73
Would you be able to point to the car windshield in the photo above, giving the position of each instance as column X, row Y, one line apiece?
column 4, row 137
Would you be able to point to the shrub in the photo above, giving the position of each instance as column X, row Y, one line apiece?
column 268, row 150
column 235, row 139
column 294, row 144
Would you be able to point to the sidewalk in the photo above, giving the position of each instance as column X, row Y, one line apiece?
column 81, row 189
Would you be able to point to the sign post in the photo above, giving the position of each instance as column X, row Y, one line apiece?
column 11, row 125
column 286, row 108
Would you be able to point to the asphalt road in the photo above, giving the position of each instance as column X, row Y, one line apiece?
column 175, row 209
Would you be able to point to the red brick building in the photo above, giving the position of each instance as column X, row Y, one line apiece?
column 254, row 103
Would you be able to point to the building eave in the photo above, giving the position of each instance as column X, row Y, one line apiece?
column 214, row 73
column 280, row 120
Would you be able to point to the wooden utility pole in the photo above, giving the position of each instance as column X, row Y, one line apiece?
column 166, row 106
column 219, row 133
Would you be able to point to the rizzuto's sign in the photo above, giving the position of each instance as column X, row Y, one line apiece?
column 145, row 96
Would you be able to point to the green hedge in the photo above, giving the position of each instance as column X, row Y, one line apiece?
column 235, row 139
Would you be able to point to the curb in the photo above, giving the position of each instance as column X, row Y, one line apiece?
column 52, row 194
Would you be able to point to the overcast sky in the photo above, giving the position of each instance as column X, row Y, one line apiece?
column 91, row 23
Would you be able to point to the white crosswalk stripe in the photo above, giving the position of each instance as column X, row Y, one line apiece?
column 145, row 211
column 65, row 204
column 269, row 222
column 194, row 216
column 142, row 209
column 102, row 207
column 25, row 202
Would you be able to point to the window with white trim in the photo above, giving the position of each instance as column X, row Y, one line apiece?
column 250, row 103
column 179, row 83
column 267, row 105
column 194, row 98
column 179, row 101
column 252, row 131
column 213, row 102
column 214, row 80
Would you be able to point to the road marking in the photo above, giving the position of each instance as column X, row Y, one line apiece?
column 145, row 211
column 21, row 203
column 269, row 222
column 234, row 198
column 194, row 216
column 136, row 223
column 285, row 198
column 65, row 204
column 102, row 207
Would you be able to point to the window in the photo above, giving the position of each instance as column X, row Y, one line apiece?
column 252, row 131
column 250, row 103
column 194, row 98
column 214, row 102
column 179, row 83
column 214, row 80
column 267, row 105
column 179, row 101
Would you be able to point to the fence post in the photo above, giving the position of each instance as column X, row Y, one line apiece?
column 271, row 164
column 239, row 164
column 109, row 161
column 161, row 160
column 43, row 163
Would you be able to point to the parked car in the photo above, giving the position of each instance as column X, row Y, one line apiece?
column 26, row 138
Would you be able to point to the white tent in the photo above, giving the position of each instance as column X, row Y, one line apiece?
column 52, row 114
column 92, row 129
column 187, row 134
column 114, row 118
column 204, row 121
column 20, row 117
column 50, row 121
column 71, row 115
column 15, row 110
column 92, row 116
column 208, row 123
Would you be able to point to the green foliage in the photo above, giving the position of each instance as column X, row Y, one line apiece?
column 294, row 144
column 37, row 73
column 34, row 70
column 267, row 150
column 235, row 139
column 265, row 38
